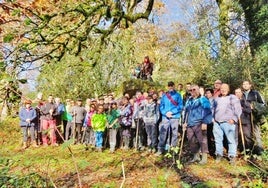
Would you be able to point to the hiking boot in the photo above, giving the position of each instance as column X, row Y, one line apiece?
column 55, row 144
column 35, row 144
column 232, row 160
column 218, row 158
column 99, row 149
column 204, row 159
column 142, row 148
column 112, row 150
column 45, row 145
column 24, row 146
column 159, row 153
column 196, row 158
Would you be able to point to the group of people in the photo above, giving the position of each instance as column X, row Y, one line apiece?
column 210, row 117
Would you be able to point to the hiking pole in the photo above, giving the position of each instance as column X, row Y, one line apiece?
column 83, row 136
column 183, row 133
column 242, row 136
column 182, row 139
column 137, row 133
column 74, row 127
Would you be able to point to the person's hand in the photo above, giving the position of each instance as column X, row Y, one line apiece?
column 169, row 114
column 184, row 126
column 231, row 121
column 28, row 120
column 51, row 111
column 204, row 126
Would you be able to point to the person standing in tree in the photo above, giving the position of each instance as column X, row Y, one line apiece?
column 254, row 97
column 147, row 68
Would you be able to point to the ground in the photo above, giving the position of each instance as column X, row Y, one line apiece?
column 56, row 167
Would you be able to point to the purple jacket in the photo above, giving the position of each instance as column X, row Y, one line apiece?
column 225, row 108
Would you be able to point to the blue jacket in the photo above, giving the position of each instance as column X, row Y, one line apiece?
column 27, row 114
column 198, row 111
column 167, row 106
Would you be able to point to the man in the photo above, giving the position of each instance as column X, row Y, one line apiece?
column 59, row 117
column 48, row 118
column 78, row 113
column 254, row 96
column 170, row 108
column 217, row 88
column 187, row 93
column 245, row 123
column 226, row 111
column 211, row 141
column 198, row 115
column 180, row 90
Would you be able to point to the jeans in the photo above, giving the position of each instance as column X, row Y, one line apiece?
column 25, row 133
column 151, row 131
column 168, row 133
column 224, row 128
column 99, row 139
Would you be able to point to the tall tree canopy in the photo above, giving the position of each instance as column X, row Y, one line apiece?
column 47, row 30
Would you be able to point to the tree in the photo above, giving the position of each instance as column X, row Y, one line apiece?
column 45, row 31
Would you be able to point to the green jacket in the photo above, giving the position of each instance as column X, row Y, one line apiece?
column 112, row 116
column 98, row 122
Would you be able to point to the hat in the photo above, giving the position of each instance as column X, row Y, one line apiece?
column 27, row 102
column 171, row 83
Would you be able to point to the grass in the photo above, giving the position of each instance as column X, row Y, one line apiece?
column 54, row 167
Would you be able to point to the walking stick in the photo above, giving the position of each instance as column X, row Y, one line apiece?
column 83, row 136
column 242, row 137
column 137, row 133
column 74, row 131
column 183, row 135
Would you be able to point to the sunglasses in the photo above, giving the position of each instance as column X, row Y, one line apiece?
column 192, row 89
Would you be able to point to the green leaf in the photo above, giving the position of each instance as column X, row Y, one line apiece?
column 8, row 38
column 67, row 143
column 27, row 21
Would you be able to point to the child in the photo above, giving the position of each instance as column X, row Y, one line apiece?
column 98, row 122
column 88, row 131
column 113, row 126
column 151, row 116
column 125, row 121
column 27, row 116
